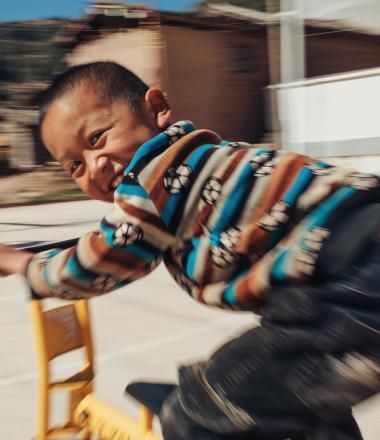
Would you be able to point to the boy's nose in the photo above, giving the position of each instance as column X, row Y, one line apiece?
column 98, row 166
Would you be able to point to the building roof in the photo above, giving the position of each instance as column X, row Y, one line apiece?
column 110, row 8
column 109, row 16
column 240, row 13
column 264, row 18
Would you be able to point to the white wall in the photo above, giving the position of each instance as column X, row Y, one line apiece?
column 335, row 115
column 138, row 50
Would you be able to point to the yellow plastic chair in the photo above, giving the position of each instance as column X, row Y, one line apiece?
column 61, row 330
column 58, row 331
column 109, row 423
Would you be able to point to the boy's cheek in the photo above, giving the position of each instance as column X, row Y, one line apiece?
column 95, row 193
column 92, row 190
column 86, row 187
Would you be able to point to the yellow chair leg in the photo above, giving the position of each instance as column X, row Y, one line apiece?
column 85, row 435
column 145, row 419
column 75, row 398
column 43, row 413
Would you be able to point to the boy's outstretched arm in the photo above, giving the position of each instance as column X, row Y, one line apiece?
column 129, row 243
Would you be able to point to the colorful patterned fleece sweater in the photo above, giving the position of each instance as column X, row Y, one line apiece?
column 229, row 221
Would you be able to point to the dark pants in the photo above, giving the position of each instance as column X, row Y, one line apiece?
column 316, row 354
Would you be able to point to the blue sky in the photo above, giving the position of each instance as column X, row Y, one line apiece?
column 34, row 9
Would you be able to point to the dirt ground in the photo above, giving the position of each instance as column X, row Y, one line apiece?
column 38, row 186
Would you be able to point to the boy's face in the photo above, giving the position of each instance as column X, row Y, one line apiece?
column 94, row 141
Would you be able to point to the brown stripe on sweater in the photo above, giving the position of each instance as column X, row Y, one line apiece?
column 142, row 215
column 105, row 259
column 247, row 298
column 259, row 276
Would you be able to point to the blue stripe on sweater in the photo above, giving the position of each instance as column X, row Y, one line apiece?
column 303, row 178
column 301, row 181
column 278, row 267
column 134, row 249
column 132, row 190
column 238, row 193
column 317, row 218
column 156, row 143
column 77, row 271
column 192, row 258
column 229, row 295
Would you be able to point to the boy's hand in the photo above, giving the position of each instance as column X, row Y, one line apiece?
column 13, row 260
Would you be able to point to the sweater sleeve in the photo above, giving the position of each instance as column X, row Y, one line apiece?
column 128, row 243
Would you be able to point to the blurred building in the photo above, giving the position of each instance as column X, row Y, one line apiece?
column 28, row 59
column 232, row 70
column 214, row 68
column 19, row 127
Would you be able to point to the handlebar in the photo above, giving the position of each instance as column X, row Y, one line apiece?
column 64, row 244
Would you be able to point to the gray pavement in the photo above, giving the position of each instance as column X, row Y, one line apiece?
column 143, row 331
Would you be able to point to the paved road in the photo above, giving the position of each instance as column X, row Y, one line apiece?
column 143, row 331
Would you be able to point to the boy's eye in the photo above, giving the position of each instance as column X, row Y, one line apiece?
column 74, row 166
column 95, row 137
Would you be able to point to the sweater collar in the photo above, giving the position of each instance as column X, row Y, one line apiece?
column 164, row 139
column 177, row 131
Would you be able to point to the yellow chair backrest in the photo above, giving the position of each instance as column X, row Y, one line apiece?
column 58, row 331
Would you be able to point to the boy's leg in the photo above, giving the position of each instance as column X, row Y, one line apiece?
column 316, row 355
column 241, row 393
column 349, row 431
column 177, row 425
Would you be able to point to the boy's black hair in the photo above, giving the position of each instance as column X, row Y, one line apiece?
column 111, row 81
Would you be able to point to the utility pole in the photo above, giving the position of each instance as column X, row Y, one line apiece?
column 286, row 55
column 292, row 41
column 273, row 47
column 292, row 60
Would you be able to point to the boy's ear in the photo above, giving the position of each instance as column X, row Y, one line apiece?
column 159, row 105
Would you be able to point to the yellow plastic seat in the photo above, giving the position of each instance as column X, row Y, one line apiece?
column 58, row 331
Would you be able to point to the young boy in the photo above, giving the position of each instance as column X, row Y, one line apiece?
column 275, row 232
